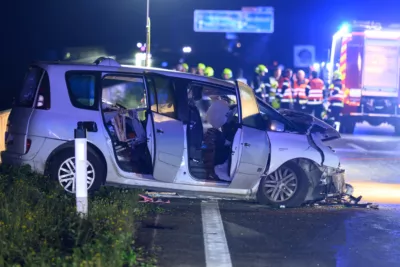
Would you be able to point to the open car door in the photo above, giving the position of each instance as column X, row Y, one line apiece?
column 253, row 144
column 165, row 132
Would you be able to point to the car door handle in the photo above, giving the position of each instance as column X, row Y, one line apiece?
column 160, row 131
column 246, row 144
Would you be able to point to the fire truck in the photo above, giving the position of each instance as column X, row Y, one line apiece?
column 367, row 55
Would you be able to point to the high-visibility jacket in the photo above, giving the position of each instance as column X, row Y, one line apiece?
column 315, row 92
column 271, row 86
column 299, row 91
column 285, row 91
column 336, row 95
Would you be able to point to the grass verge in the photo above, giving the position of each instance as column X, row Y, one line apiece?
column 39, row 225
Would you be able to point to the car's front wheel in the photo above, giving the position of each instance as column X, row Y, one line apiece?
column 287, row 186
column 63, row 169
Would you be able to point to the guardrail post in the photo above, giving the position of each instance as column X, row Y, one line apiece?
column 81, row 170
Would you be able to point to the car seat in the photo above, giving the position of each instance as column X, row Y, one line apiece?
column 214, row 140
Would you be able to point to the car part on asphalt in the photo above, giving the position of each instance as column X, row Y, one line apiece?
column 147, row 199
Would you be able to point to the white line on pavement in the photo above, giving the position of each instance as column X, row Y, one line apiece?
column 357, row 147
column 215, row 244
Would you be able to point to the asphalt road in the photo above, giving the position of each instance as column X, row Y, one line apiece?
column 234, row 233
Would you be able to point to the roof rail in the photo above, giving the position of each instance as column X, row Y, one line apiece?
column 106, row 61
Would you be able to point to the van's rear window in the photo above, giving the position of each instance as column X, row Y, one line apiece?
column 31, row 83
column 82, row 89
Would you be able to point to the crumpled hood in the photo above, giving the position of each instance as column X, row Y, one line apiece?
column 308, row 124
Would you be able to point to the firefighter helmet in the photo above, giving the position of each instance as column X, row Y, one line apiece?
column 227, row 72
column 261, row 68
column 201, row 66
column 209, row 72
column 337, row 75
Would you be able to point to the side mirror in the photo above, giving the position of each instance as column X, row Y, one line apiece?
column 277, row 126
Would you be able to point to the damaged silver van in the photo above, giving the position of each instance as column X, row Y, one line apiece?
column 164, row 130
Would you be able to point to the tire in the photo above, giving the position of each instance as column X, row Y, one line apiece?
column 347, row 126
column 65, row 158
column 300, row 190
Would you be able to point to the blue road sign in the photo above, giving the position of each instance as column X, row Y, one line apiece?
column 257, row 20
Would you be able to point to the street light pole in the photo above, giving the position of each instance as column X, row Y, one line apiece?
column 148, row 34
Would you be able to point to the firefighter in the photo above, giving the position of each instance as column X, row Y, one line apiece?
column 209, row 72
column 185, row 67
column 336, row 97
column 315, row 95
column 200, row 69
column 285, row 91
column 259, row 81
column 227, row 74
column 272, row 86
column 299, row 91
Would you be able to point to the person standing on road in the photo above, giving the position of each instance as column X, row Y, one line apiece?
column 315, row 95
column 185, row 67
column 209, row 72
column 272, row 87
column 200, row 69
column 227, row 74
column 299, row 91
column 259, row 81
column 285, row 91
column 336, row 96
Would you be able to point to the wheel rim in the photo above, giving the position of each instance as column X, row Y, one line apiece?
column 281, row 185
column 66, row 175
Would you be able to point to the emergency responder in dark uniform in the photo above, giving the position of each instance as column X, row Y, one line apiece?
column 285, row 91
column 336, row 97
column 259, row 81
column 315, row 95
column 200, row 69
column 272, row 86
column 185, row 67
column 299, row 91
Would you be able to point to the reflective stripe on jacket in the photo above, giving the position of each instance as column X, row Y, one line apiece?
column 285, row 91
column 299, row 91
column 336, row 95
column 315, row 92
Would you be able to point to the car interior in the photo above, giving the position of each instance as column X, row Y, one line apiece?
column 125, row 118
column 213, row 124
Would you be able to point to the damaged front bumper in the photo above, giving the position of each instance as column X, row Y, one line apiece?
column 332, row 184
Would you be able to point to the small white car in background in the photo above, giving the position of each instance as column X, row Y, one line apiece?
column 153, row 129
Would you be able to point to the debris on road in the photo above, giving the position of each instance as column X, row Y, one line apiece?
column 147, row 199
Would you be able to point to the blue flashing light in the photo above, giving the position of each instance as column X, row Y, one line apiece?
column 164, row 64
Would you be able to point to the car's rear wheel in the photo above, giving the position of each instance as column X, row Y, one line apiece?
column 287, row 186
column 62, row 169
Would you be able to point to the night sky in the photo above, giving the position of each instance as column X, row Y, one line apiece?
column 32, row 29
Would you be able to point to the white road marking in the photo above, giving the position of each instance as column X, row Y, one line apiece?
column 154, row 234
column 215, row 244
column 357, row 147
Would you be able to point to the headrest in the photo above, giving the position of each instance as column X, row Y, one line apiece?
column 217, row 114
